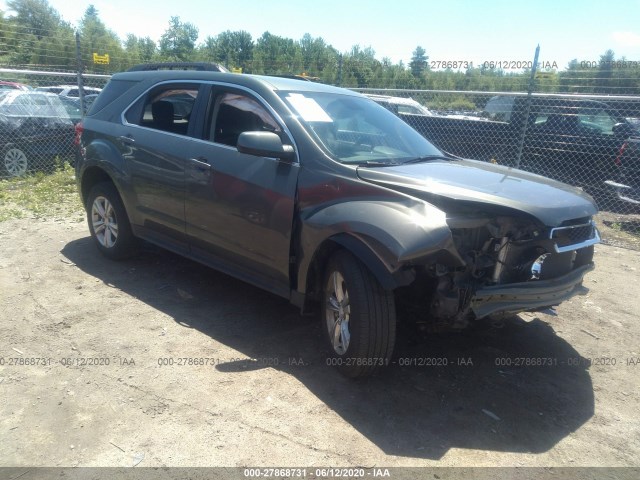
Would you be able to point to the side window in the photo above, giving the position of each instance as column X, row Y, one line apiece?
column 408, row 109
column 235, row 113
column 389, row 106
column 499, row 109
column 557, row 122
column 543, row 116
column 597, row 119
column 168, row 109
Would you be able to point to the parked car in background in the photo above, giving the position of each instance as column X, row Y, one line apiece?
column 322, row 196
column 72, row 106
column 626, row 175
column 400, row 105
column 69, row 90
column 574, row 140
column 13, row 86
column 88, row 101
column 35, row 128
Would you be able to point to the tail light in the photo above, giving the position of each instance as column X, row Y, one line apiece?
column 621, row 153
column 79, row 130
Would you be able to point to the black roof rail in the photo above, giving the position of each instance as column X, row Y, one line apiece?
column 200, row 66
column 306, row 78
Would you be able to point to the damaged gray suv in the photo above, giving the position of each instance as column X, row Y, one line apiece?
column 324, row 197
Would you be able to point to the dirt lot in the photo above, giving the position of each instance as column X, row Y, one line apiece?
column 86, row 347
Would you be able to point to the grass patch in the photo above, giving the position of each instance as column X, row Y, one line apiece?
column 620, row 230
column 41, row 195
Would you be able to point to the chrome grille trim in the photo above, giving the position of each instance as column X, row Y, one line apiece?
column 583, row 241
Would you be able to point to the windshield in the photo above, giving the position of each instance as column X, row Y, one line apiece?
column 357, row 130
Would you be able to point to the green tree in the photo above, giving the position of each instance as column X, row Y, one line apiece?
column 95, row 37
column 571, row 80
column 232, row 49
column 419, row 62
column 317, row 55
column 35, row 17
column 626, row 80
column 360, row 67
column 178, row 42
column 394, row 76
column 36, row 35
column 139, row 50
column 604, row 75
column 277, row 55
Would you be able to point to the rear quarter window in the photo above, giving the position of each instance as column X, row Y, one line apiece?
column 113, row 90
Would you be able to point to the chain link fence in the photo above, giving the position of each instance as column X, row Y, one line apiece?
column 589, row 141
column 38, row 114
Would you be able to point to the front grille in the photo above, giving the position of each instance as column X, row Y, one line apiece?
column 574, row 235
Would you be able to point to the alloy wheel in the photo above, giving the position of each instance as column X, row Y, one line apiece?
column 104, row 221
column 338, row 313
column 15, row 162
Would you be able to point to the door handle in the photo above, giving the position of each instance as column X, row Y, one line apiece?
column 200, row 164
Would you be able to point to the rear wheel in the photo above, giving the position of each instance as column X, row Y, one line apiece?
column 108, row 222
column 359, row 317
column 14, row 162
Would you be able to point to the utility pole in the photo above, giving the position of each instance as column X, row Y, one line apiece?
column 525, row 125
column 80, row 69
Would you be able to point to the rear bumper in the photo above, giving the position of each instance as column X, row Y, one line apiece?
column 533, row 295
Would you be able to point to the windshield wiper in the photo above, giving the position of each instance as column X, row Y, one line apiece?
column 427, row 158
column 377, row 163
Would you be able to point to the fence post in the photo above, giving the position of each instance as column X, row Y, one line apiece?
column 523, row 132
column 80, row 79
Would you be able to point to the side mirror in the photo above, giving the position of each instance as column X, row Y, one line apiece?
column 265, row 144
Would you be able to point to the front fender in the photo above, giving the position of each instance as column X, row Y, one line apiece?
column 395, row 234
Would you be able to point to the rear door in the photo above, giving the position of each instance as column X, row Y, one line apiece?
column 239, row 208
column 156, row 148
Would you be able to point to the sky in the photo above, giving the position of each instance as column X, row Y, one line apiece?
column 449, row 30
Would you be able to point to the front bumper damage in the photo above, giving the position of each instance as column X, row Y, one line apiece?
column 531, row 295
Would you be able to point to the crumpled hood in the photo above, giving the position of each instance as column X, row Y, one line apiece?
column 550, row 201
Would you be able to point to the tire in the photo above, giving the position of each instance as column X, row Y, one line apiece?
column 108, row 222
column 358, row 317
column 15, row 162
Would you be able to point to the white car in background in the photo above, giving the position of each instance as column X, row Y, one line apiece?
column 401, row 105
column 69, row 90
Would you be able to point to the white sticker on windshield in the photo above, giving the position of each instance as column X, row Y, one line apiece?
column 308, row 108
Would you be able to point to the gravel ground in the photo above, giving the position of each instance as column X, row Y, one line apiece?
column 158, row 361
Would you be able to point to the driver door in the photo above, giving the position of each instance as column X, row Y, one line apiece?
column 239, row 208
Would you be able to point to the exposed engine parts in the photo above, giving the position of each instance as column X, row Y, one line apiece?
column 502, row 251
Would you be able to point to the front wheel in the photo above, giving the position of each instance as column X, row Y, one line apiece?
column 108, row 222
column 359, row 317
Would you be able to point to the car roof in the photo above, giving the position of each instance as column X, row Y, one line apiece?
column 31, row 93
column 13, row 84
column 249, row 81
column 65, row 87
column 387, row 98
column 9, row 96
